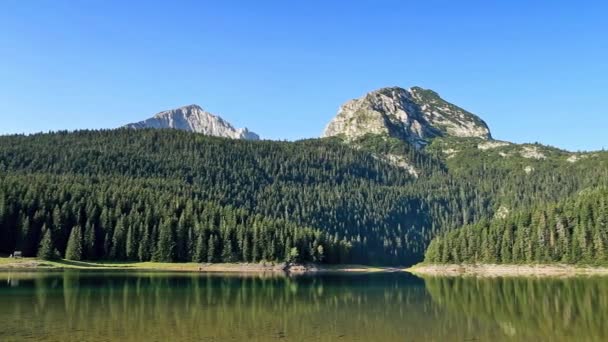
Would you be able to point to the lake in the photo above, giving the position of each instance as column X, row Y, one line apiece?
column 154, row 306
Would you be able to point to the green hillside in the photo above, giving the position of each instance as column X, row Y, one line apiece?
column 168, row 195
column 574, row 230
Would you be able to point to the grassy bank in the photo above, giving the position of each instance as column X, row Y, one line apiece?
column 502, row 270
column 37, row 264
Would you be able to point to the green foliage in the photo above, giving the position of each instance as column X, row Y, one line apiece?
column 46, row 250
column 176, row 196
column 292, row 255
column 571, row 231
column 74, row 250
column 165, row 251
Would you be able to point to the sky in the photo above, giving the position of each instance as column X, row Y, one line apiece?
column 535, row 71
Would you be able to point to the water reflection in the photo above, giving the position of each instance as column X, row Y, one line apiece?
column 92, row 306
column 530, row 308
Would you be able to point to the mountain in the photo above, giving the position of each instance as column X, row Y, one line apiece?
column 234, row 200
column 195, row 119
column 174, row 195
column 415, row 115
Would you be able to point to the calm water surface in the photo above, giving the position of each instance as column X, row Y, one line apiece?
column 96, row 306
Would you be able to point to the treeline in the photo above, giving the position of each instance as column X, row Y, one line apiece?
column 574, row 231
column 94, row 218
column 348, row 195
column 367, row 211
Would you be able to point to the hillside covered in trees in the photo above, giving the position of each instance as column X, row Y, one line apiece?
column 573, row 231
column 169, row 195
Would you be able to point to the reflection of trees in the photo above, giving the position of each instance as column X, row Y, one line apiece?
column 153, row 306
column 126, row 306
column 529, row 308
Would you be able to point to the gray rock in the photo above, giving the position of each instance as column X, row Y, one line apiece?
column 194, row 119
column 415, row 115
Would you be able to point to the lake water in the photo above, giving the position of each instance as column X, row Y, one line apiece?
column 95, row 306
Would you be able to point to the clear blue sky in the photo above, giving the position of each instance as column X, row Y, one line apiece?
column 535, row 71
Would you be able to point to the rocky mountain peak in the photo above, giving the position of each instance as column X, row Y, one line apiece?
column 414, row 114
column 193, row 118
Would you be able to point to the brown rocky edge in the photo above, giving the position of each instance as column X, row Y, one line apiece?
column 507, row 270
column 31, row 264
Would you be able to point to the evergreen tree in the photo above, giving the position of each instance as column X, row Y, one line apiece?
column 211, row 256
column 165, row 250
column 200, row 249
column 118, row 249
column 75, row 250
column 46, row 251
column 144, row 251
column 131, row 244
column 90, row 242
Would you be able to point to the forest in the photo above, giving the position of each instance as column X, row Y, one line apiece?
column 169, row 195
column 572, row 231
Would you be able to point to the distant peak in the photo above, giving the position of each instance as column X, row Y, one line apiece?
column 189, row 109
column 192, row 106
column 415, row 115
column 420, row 89
column 194, row 118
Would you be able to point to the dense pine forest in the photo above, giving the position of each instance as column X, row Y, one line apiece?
column 572, row 231
column 168, row 195
column 82, row 218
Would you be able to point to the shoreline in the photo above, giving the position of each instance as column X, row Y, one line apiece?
column 507, row 270
column 33, row 264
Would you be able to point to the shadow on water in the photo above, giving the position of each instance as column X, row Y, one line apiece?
column 131, row 306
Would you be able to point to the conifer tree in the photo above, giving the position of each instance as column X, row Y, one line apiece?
column 74, row 250
column 119, row 239
column 46, row 251
column 165, row 249
column 144, row 250
column 211, row 257
column 131, row 245
column 90, row 242
column 200, row 249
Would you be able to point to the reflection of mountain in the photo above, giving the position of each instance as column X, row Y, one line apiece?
column 530, row 309
column 379, row 307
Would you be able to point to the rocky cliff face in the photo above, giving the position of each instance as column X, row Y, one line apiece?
column 194, row 119
column 414, row 114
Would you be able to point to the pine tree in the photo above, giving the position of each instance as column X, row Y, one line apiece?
column 599, row 243
column 90, row 242
column 131, row 244
column 182, row 238
column 143, row 252
column 227, row 248
column 200, row 249
column 165, row 249
column 47, row 251
column 211, row 257
column 506, row 248
column 25, row 244
column 118, row 249
column 246, row 249
column 74, row 250
column 563, row 250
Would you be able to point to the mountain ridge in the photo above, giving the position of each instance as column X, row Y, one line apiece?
column 415, row 115
column 193, row 118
